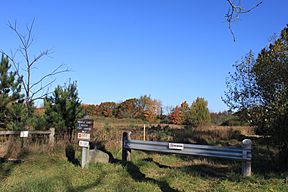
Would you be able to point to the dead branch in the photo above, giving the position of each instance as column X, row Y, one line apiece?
column 53, row 73
column 42, row 88
column 234, row 12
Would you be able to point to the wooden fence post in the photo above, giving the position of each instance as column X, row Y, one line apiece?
column 51, row 137
column 144, row 133
column 126, row 153
column 246, row 164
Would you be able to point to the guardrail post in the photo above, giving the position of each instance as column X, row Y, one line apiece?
column 126, row 153
column 246, row 164
column 51, row 137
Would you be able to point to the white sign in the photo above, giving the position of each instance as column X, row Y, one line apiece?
column 83, row 136
column 84, row 143
column 177, row 146
column 24, row 134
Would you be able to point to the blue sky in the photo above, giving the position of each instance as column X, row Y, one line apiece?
column 173, row 50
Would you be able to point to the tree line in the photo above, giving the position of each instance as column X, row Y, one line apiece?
column 145, row 108
column 151, row 111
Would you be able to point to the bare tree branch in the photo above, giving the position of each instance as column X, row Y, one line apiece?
column 37, row 58
column 234, row 12
column 53, row 73
column 43, row 95
column 42, row 88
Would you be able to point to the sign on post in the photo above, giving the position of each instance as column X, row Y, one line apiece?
column 84, row 143
column 83, row 136
column 85, row 124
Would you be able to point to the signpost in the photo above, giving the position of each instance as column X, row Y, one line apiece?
column 84, row 125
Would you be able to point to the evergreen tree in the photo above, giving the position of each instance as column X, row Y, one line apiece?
column 63, row 109
column 10, row 96
column 199, row 113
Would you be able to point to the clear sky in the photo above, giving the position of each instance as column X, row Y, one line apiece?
column 173, row 50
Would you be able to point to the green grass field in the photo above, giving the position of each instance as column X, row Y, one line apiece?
column 146, row 172
column 48, row 169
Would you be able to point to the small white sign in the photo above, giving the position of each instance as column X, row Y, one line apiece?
column 177, row 146
column 24, row 134
column 84, row 143
column 83, row 136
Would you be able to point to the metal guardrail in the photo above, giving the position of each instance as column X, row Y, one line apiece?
column 241, row 153
column 190, row 149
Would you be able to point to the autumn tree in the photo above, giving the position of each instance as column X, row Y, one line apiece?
column 176, row 117
column 128, row 109
column 108, row 109
column 199, row 114
column 184, row 109
column 90, row 109
column 149, row 108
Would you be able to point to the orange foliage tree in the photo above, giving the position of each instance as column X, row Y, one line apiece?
column 107, row 109
column 149, row 108
column 128, row 109
column 176, row 117
column 90, row 109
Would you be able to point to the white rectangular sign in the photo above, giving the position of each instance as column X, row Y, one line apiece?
column 24, row 134
column 177, row 146
column 84, row 143
column 83, row 136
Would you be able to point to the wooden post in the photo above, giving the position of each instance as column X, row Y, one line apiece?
column 51, row 137
column 126, row 153
column 84, row 159
column 246, row 164
column 144, row 133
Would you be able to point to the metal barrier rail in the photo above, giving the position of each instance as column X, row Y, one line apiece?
column 242, row 153
column 190, row 149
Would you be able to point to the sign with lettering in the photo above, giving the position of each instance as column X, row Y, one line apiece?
column 85, row 124
column 83, row 143
column 24, row 134
column 83, row 136
column 177, row 146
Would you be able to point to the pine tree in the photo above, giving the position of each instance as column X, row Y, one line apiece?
column 63, row 109
column 10, row 96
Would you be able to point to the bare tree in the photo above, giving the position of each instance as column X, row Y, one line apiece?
column 34, row 90
column 235, row 10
